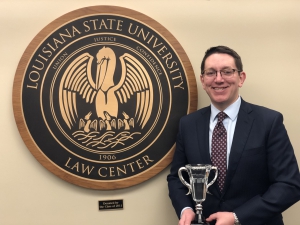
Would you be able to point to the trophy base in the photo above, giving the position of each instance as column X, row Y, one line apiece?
column 196, row 223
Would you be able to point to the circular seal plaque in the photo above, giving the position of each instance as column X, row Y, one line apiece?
column 98, row 95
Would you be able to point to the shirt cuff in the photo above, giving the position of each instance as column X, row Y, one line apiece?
column 184, row 209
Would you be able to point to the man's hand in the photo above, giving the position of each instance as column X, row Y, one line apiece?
column 222, row 218
column 187, row 217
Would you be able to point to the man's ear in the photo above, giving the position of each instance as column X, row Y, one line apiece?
column 242, row 78
column 202, row 80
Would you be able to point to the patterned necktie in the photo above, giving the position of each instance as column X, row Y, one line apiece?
column 219, row 149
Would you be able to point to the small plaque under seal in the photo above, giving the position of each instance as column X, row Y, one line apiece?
column 111, row 204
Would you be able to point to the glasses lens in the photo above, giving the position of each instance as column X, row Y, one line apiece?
column 210, row 73
column 227, row 72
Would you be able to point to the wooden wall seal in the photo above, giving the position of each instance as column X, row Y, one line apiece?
column 98, row 94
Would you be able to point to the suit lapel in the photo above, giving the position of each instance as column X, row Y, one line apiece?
column 241, row 133
column 203, row 131
column 203, row 143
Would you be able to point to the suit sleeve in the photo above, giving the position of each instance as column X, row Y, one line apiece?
column 284, row 178
column 177, row 191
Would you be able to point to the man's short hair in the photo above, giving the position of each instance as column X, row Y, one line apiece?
column 223, row 50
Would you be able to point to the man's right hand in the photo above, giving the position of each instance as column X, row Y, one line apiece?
column 187, row 217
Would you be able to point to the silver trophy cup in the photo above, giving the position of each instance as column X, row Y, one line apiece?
column 198, row 175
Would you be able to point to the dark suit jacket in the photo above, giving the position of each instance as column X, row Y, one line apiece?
column 262, row 177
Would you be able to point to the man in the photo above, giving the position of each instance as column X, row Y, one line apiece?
column 261, row 177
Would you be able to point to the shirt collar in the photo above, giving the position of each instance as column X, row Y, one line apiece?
column 231, row 111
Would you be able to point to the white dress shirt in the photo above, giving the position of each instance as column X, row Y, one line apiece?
column 229, row 123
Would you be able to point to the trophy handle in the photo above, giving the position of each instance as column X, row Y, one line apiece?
column 183, row 180
column 213, row 180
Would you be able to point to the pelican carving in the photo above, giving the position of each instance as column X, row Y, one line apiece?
column 77, row 80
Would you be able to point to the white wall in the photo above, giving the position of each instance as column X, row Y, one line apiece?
column 266, row 33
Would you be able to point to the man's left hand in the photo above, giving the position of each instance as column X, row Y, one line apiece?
column 222, row 218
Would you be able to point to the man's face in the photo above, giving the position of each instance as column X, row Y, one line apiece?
column 223, row 91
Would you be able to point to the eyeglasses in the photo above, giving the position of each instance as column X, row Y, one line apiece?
column 225, row 73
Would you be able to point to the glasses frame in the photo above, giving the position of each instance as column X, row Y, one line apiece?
column 221, row 73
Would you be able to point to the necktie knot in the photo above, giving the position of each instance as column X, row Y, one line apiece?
column 221, row 116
